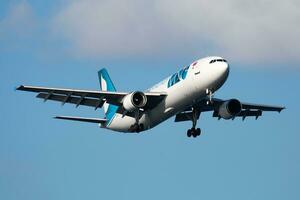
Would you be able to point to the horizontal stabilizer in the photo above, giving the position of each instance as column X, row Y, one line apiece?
column 82, row 119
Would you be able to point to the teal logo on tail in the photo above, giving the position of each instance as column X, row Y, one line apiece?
column 106, row 84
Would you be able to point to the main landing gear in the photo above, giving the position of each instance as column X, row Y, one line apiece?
column 194, row 131
column 195, row 115
column 137, row 127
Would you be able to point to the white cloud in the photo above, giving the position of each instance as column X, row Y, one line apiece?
column 110, row 27
column 248, row 30
column 258, row 31
column 18, row 22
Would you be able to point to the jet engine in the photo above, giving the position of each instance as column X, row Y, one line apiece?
column 134, row 101
column 230, row 108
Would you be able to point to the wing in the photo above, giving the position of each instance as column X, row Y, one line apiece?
column 90, row 98
column 248, row 109
column 261, row 107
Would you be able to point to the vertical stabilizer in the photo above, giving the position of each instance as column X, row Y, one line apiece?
column 106, row 84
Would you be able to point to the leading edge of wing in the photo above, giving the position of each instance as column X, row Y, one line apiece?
column 65, row 90
column 249, row 106
column 29, row 88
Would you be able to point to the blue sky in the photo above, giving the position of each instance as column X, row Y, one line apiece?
column 65, row 43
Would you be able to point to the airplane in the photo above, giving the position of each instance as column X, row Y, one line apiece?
column 185, row 95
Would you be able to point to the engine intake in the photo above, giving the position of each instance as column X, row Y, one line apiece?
column 230, row 108
column 134, row 101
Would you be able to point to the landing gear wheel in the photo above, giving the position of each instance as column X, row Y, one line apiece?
column 193, row 132
column 135, row 128
column 198, row 131
column 141, row 127
column 189, row 133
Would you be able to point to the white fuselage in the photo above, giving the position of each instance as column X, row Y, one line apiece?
column 201, row 75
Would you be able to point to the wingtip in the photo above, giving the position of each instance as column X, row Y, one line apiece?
column 283, row 108
column 20, row 87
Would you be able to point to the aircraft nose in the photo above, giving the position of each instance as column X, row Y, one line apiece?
column 223, row 69
column 226, row 69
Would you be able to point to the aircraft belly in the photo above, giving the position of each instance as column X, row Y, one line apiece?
column 123, row 123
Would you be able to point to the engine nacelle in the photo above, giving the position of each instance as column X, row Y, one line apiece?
column 134, row 101
column 230, row 108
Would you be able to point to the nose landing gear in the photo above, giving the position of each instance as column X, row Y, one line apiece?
column 210, row 95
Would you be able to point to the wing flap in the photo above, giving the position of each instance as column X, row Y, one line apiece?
column 250, row 113
column 96, row 103
column 262, row 107
column 184, row 116
column 243, row 114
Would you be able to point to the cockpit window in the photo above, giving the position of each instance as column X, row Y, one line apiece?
column 217, row 60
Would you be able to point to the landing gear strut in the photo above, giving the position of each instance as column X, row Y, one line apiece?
column 137, row 127
column 194, row 131
column 210, row 96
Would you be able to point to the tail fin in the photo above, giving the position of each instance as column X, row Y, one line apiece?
column 106, row 84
